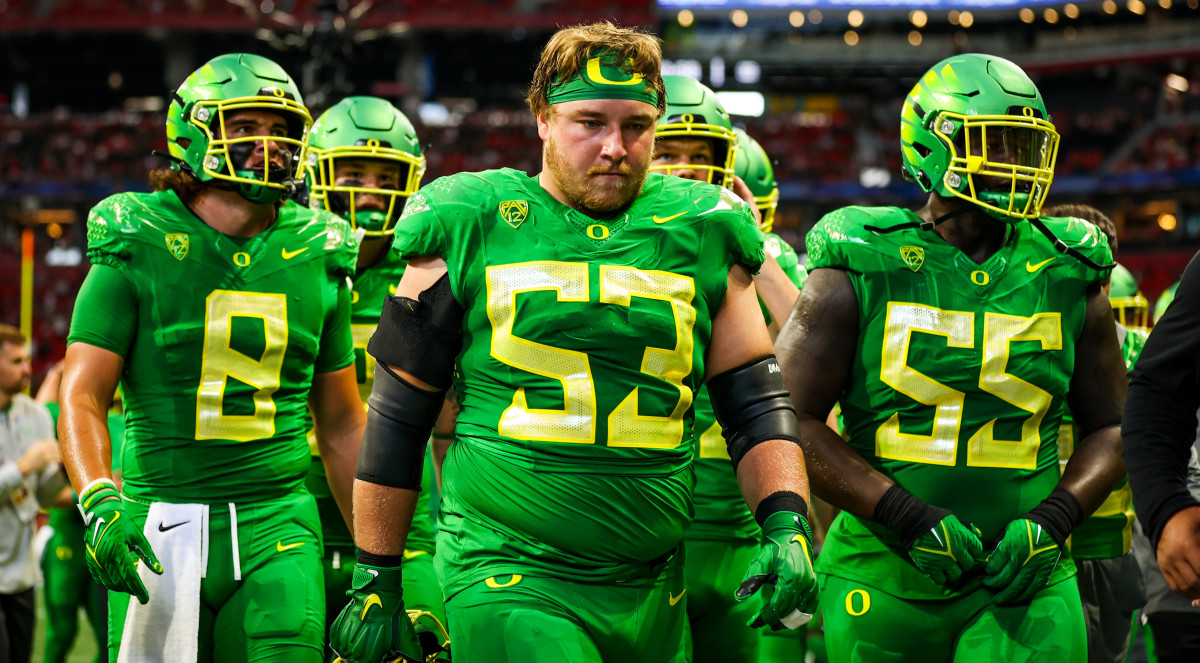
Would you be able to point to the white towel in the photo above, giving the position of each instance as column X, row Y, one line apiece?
column 167, row 628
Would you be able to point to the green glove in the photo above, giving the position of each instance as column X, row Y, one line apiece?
column 948, row 550
column 784, row 565
column 374, row 627
column 114, row 542
column 1022, row 562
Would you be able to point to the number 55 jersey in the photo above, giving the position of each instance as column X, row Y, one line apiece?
column 225, row 336
column 583, row 345
column 961, row 374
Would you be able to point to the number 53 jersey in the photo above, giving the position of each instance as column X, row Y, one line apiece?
column 583, row 345
column 961, row 373
column 228, row 334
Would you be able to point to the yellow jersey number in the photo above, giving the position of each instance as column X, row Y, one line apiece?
column 940, row 447
column 576, row 421
column 219, row 362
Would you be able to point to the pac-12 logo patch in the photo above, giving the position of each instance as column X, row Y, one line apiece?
column 177, row 244
column 514, row 212
column 914, row 256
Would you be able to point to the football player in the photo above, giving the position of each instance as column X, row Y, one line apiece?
column 952, row 336
column 366, row 161
column 577, row 311
column 1164, row 300
column 226, row 317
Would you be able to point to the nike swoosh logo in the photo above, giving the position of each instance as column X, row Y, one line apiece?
column 675, row 599
column 281, row 548
column 409, row 554
column 288, row 255
column 1031, row 268
column 664, row 219
column 371, row 600
column 171, row 527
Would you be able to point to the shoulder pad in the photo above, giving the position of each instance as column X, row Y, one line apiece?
column 119, row 219
column 1078, row 234
column 324, row 230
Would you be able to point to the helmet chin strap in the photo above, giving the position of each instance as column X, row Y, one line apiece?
column 923, row 225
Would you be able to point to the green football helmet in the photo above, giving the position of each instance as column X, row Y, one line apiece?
column 693, row 111
column 754, row 167
column 196, row 126
column 1130, row 306
column 361, row 128
column 975, row 127
column 1164, row 300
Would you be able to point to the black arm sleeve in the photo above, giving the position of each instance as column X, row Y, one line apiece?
column 1160, row 410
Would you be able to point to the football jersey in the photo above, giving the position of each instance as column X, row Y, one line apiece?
column 961, row 374
column 583, row 346
column 228, row 336
column 370, row 287
column 1108, row 532
column 721, row 511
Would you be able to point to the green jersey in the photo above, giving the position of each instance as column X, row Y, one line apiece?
column 371, row 286
column 223, row 337
column 721, row 512
column 1109, row 531
column 961, row 375
column 583, row 346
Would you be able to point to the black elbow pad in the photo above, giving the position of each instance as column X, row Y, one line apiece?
column 752, row 406
column 399, row 420
column 423, row 337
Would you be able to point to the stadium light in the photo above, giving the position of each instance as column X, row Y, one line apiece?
column 1177, row 82
column 1167, row 221
column 966, row 19
column 748, row 104
column 1027, row 15
column 855, row 18
column 914, row 38
column 815, row 16
column 961, row 39
column 1165, row 4
column 739, row 17
column 1136, row 6
column 1050, row 15
column 1071, row 10
column 918, row 17
column 1192, row 4
column 796, row 18
column 685, row 18
column 1069, row 33
column 952, row 17
column 1109, row 6
column 851, row 38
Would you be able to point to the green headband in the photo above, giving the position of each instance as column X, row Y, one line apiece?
column 602, row 78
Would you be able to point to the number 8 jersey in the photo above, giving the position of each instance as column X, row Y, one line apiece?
column 223, row 337
column 961, row 374
column 583, row 344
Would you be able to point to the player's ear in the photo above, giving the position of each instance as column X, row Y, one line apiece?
column 543, row 123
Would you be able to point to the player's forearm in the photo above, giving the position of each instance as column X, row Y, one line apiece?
column 771, row 467
column 382, row 517
column 83, row 435
column 839, row 475
column 1095, row 468
column 339, row 455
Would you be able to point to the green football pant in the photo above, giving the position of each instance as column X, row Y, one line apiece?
column 68, row 585
column 717, row 622
column 519, row 619
column 261, row 599
column 338, row 567
column 868, row 625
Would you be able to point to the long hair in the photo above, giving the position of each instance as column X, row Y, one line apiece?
column 185, row 185
column 569, row 48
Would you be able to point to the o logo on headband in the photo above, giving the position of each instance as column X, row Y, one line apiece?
column 595, row 74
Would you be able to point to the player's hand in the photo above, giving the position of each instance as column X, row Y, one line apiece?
column 1178, row 552
column 114, row 542
column 947, row 551
column 374, row 627
column 784, row 565
column 1022, row 562
column 742, row 191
